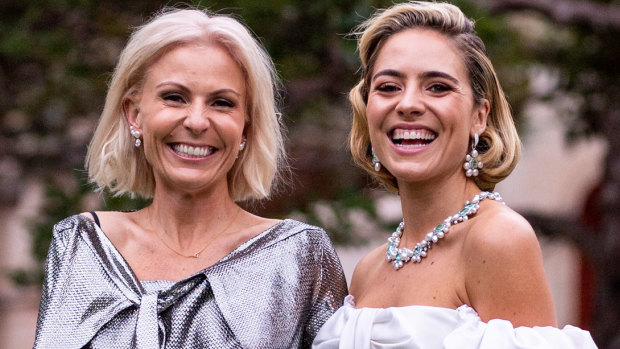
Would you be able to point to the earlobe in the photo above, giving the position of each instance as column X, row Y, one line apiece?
column 132, row 114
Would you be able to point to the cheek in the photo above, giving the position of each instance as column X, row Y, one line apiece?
column 153, row 132
column 160, row 120
column 373, row 115
column 374, row 119
column 229, row 125
column 453, row 116
column 459, row 145
column 379, row 107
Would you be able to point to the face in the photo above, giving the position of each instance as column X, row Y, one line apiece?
column 421, row 111
column 191, row 112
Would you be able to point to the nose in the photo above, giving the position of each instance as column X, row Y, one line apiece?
column 197, row 119
column 411, row 103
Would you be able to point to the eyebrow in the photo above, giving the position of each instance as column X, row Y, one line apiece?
column 388, row 72
column 224, row 90
column 171, row 83
column 438, row 74
column 175, row 84
column 427, row 74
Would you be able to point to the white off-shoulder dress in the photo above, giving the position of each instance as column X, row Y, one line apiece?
column 429, row 327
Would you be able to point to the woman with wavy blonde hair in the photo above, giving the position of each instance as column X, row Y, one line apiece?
column 190, row 121
column 462, row 270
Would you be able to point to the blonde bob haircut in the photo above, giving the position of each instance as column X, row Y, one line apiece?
column 499, row 145
column 115, row 164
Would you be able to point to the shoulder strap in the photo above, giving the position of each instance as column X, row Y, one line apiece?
column 95, row 218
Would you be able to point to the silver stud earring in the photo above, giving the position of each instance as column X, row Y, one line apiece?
column 375, row 160
column 472, row 164
column 241, row 147
column 136, row 134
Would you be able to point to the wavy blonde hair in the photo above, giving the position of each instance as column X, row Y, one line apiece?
column 114, row 163
column 499, row 145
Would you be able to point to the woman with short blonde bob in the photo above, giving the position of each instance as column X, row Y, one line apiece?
column 431, row 122
column 190, row 121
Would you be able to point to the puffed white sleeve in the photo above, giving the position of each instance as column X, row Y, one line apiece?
column 472, row 333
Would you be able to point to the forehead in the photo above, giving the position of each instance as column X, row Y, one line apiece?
column 201, row 60
column 418, row 50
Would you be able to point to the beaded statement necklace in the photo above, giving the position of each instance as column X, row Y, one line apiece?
column 399, row 256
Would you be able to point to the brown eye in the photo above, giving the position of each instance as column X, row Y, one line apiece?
column 439, row 88
column 386, row 88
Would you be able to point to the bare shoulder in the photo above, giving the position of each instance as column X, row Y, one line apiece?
column 259, row 223
column 504, row 275
column 364, row 268
column 499, row 229
column 108, row 217
column 247, row 225
column 114, row 224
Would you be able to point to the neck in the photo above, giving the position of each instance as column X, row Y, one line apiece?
column 189, row 219
column 426, row 205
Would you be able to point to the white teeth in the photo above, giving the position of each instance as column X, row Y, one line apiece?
column 409, row 146
column 413, row 134
column 189, row 151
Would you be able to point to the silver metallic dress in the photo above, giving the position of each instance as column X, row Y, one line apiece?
column 274, row 291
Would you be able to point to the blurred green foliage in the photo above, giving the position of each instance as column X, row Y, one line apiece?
column 56, row 58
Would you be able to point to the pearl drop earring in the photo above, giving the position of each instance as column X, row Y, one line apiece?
column 136, row 134
column 472, row 164
column 375, row 160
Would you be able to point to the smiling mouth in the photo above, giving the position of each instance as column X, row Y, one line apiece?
column 412, row 138
column 189, row 151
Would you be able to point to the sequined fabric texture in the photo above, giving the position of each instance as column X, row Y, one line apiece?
column 274, row 291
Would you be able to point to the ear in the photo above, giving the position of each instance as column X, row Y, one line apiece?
column 246, row 129
column 479, row 118
column 131, row 110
